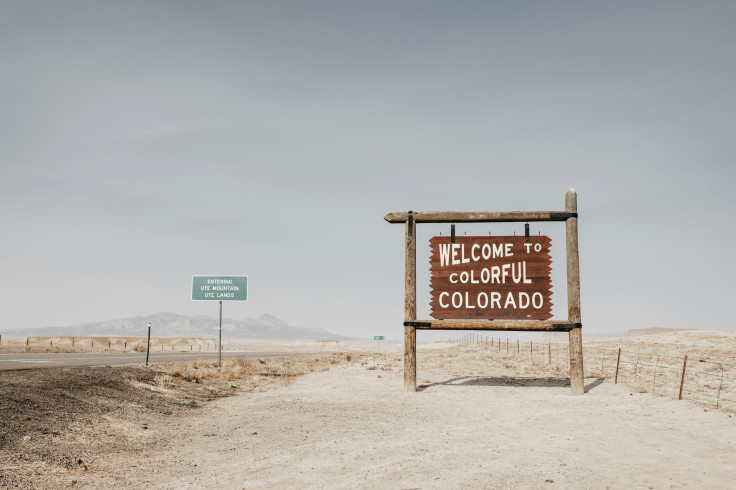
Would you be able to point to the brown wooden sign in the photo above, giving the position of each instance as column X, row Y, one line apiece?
column 501, row 277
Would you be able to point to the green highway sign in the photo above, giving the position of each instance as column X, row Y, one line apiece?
column 219, row 288
column 379, row 337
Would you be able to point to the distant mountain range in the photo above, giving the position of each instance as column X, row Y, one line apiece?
column 173, row 325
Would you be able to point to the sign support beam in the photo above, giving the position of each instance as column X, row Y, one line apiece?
column 577, row 381
column 410, row 306
column 509, row 325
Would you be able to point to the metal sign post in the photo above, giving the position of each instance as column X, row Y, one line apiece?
column 219, row 288
column 379, row 338
column 219, row 351
column 148, row 347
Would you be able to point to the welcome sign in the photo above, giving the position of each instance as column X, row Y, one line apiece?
column 502, row 277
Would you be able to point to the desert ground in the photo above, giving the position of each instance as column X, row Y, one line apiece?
column 484, row 417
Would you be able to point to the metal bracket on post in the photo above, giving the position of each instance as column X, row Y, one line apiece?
column 418, row 324
column 411, row 222
column 452, row 233
column 562, row 216
column 526, row 232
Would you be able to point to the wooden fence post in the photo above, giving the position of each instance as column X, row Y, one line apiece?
column 682, row 380
column 654, row 378
column 718, row 399
column 603, row 358
column 636, row 368
column 410, row 305
column 577, row 380
column 618, row 360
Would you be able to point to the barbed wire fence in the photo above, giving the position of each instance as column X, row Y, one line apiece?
column 116, row 344
column 708, row 382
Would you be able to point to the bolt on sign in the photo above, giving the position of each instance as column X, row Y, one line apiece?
column 501, row 277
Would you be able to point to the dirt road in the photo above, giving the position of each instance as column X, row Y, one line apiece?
column 354, row 427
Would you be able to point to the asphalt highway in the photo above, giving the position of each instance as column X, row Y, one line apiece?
column 33, row 361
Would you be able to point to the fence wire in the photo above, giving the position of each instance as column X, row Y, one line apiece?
column 708, row 382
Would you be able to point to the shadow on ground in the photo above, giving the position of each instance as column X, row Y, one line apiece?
column 509, row 381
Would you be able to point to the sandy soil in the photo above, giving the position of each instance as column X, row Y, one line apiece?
column 351, row 429
column 478, row 421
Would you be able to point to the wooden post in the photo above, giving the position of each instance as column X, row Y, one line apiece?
column 618, row 360
column 603, row 357
column 577, row 381
column 654, row 378
column 410, row 306
column 636, row 368
column 682, row 380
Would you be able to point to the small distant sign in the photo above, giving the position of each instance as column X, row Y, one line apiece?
column 219, row 288
column 379, row 337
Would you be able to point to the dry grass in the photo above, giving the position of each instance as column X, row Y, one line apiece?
column 252, row 373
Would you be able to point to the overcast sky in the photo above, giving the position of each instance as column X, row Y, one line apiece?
column 144, row 142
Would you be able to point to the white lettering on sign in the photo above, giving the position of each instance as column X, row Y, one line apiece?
column 520, row 300
column 454, row 253
column 494, row 275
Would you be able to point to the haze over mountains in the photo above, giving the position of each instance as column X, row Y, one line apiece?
column 174, row 325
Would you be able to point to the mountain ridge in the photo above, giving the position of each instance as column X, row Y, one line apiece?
column 167, row 324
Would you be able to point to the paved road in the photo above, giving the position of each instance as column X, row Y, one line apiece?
column 32, row 361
